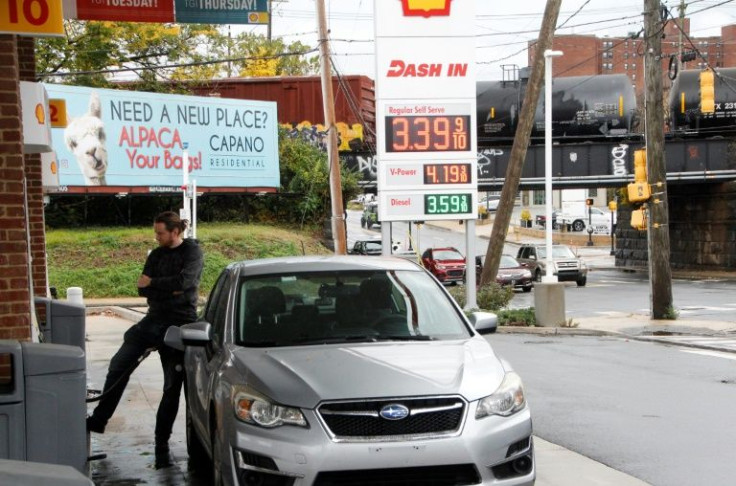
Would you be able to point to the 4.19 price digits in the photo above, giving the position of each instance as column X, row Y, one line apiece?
column 447, row 174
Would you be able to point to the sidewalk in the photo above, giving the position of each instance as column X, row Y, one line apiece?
column 128, row 440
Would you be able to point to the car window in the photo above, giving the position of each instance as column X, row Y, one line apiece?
column 448, row 255
column 305, row 308
column 220, row 316
column 508, row 262
column 209, row 313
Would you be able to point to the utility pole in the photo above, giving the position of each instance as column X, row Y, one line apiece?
column 333, row 160
column 519, row 148
column 658, row 233
column 682, row 28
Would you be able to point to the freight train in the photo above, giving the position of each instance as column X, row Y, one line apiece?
column 703, row 103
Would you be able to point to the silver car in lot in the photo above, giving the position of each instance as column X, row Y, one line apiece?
column 349, row 370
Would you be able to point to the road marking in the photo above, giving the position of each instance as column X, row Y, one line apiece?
column 714, row 354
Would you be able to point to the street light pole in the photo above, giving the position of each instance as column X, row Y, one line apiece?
column 548, row 55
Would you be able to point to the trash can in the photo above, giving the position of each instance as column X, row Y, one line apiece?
column 42, row 403
column 12, row 408
column 55, row 394
column 61, row 322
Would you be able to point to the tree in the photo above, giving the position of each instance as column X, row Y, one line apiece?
column 102, row 54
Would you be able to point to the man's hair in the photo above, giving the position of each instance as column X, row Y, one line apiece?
column 172, row 221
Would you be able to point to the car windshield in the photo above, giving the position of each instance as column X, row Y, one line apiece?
column 557, row 252
column 447, row 255
column 508, row 262
column 345, row 306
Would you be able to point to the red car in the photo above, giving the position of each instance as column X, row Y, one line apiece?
column 447, row 264
column 510, row 272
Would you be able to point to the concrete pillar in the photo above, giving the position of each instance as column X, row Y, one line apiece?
column 549, row 304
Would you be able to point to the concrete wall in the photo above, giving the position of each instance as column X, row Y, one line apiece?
column 702, row 230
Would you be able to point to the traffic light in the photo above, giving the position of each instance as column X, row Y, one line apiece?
column 639, row 219
column 639, row 190
column 589, row 201
column 688, row 56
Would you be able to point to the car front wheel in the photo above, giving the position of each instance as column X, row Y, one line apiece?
column 198, row 457
column 582, row 281
column 538, row 275
column 578, row 225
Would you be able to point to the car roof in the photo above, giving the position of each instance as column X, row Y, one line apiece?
column 321, row 263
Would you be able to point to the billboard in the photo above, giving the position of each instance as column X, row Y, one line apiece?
column 116, row 138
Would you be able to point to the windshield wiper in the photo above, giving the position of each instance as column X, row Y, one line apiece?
column 261, row 344
column 405, row 337
column 336, row 339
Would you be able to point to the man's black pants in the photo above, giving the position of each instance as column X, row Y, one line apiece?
column 148, row 333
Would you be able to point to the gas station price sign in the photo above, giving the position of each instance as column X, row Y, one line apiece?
column 427, row 133
column 447, row 173
column 459, row 203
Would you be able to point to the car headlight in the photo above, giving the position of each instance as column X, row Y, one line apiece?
column 506, row 400
column 440, row 266
column 526, row 274
column 256, row 409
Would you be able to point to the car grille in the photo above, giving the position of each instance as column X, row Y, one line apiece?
column 567, row 265
column 427, row 417
column 455, row 273
column 453, row 475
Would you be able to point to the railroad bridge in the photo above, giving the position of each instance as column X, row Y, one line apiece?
column 701, row 192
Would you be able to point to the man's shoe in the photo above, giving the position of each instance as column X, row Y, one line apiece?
column 95, row 425
column 163, row 456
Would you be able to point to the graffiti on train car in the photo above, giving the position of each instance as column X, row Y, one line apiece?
column 350, row 137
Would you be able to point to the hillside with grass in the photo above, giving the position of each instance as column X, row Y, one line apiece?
column 106, row 262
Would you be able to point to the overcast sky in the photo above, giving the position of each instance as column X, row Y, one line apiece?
column 502, row 27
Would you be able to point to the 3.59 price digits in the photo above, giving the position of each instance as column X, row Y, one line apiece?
column 427, row 133
column 447, row 203
column 447, row 174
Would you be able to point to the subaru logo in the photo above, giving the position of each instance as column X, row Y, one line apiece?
column 394, row 411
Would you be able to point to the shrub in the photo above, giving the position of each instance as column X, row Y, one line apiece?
column 489, row 297
column 517, row 317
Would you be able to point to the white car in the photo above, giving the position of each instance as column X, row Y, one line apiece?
column 600, row 220
column 349, row 370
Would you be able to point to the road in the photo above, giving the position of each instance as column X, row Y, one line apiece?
column 663, row 414
column 607, row 291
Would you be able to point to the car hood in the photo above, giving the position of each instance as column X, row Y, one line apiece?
column 303, row 376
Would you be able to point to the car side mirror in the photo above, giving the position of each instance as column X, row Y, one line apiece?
column 484, row 322
column 194, row 334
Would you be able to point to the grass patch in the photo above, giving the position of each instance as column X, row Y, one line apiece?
column 106, row 262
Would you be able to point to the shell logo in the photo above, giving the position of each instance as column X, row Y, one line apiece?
column 426, row 8
column 40, row 114
column 54, row 167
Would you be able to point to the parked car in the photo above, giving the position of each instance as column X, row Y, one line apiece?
column 541, row 219
column 490, row 202
column 348, row 370
column 600, row 220
column 373, row 246
column 447, row 264
column 510, row 272
column 370, row 215
column 567, row 265
column 367, row 247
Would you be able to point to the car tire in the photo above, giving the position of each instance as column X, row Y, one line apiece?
column 582, row 281
column 538, row 275
column 199, row 459
column 527, row 289
column 578, row 225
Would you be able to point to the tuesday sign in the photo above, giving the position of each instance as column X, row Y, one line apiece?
column 119, row 138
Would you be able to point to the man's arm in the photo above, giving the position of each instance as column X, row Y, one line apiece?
column 187, row 278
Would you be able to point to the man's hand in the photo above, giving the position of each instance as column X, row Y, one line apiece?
column 144, row 281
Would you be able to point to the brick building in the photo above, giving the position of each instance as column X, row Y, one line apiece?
column 22, row 234
column 588, row 55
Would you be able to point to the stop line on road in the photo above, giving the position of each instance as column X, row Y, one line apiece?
column 710, row 342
